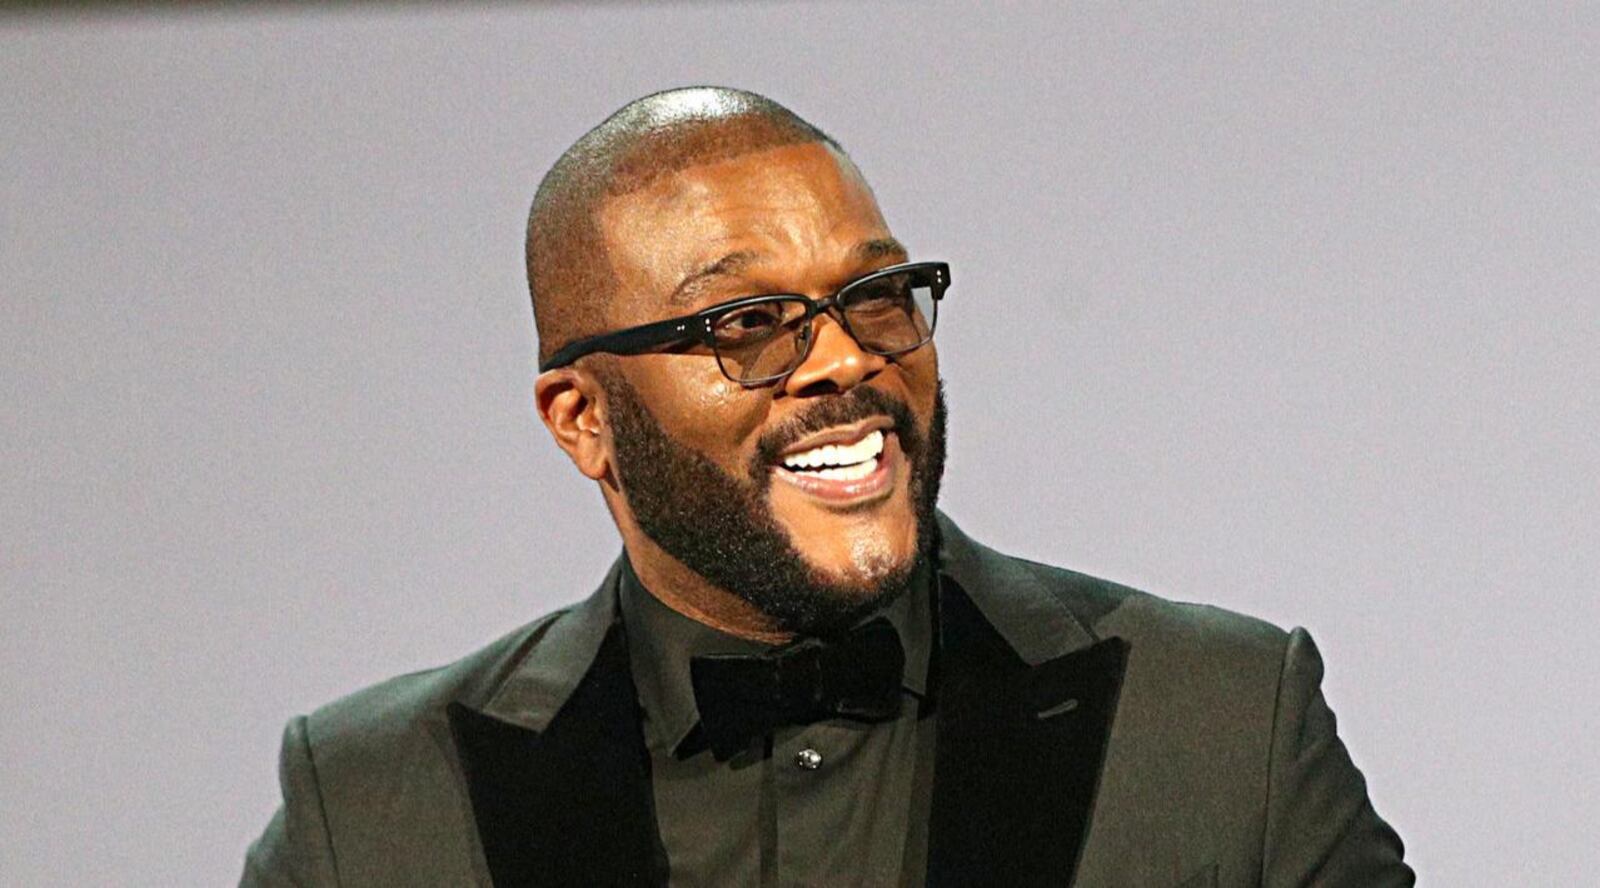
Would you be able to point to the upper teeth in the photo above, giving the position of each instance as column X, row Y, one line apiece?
column 837, row 454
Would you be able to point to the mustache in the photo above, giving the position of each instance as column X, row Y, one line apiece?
column 861, row 402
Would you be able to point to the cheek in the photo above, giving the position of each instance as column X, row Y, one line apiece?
column 700, row 407
column 920, row 371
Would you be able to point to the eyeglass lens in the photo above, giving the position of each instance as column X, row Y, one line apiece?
column 887, row 315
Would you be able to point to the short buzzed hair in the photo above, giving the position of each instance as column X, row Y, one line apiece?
column 570, row 278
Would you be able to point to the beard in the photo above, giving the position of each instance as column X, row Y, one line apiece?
column 721, row 526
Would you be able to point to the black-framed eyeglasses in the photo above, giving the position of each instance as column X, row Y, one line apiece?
column 759, row 339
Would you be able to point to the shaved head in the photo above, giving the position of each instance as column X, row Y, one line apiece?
column 570, row 276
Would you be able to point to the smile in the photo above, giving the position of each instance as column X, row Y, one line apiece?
column 839, row 462
column 850, row 470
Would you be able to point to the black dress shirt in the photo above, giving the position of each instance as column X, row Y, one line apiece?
column 836, row 802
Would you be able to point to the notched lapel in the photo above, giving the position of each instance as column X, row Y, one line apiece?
column 569, row 805
column 1019, row 755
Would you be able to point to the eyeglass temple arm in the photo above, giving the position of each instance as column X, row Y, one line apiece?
column 631, row 341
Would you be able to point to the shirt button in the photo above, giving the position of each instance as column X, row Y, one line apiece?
column 808, row 759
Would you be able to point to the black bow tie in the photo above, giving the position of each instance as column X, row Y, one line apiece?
column 744, row 696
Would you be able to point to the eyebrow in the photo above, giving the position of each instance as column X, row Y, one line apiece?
column 733, row 263
column 880, row 248
column 737, row 261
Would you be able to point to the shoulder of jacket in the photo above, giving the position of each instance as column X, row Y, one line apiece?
column 1187, row 661
column 1110, row 608
column 396, row 708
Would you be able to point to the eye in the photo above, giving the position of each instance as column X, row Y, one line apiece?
column 752, row 323
column 883, row 294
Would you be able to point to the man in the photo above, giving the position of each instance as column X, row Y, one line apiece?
column 798, row 673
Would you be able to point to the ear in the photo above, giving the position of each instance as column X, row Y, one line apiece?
column 569, row 402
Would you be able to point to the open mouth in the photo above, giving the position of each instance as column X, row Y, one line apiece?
column 856, row 468
column 839, row 462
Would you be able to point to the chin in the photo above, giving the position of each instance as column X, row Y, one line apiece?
column 864, row 557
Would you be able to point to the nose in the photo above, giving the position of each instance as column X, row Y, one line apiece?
column 835, row 364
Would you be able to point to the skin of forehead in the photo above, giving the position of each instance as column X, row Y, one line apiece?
column 677, row 223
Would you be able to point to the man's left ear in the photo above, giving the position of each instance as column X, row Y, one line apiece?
column 571, row 404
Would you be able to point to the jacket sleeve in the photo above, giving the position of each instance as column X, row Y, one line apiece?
column 295, row 849
column 1321, row 827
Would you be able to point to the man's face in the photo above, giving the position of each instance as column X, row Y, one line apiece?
column 706, row 465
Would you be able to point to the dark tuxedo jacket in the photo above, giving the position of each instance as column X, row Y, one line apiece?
column 1087, row 734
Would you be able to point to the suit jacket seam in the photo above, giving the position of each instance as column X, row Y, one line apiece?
column 1300, row 744
column 322, row 805
column 1268, row 797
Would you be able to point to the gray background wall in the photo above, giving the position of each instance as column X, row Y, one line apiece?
column 1292, row 310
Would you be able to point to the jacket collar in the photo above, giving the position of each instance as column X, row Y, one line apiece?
column 1034, row 620
column 1025, row 706
column 1013, row 597
column 559, row 774
column 555, row 763
column 559, row 657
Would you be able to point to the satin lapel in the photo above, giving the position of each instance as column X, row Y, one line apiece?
column 558, row 773
column 1020, row 746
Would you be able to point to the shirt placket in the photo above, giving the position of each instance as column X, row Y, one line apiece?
column 828, row 781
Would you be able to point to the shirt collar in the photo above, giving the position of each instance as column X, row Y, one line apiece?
column 661, row 641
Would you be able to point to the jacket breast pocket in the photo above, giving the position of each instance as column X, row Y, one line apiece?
column 1205, row 877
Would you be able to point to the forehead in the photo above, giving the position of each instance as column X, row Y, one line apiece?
column 799, row 210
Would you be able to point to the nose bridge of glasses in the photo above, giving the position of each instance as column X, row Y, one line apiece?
column 831, row 357
column 830, row 307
